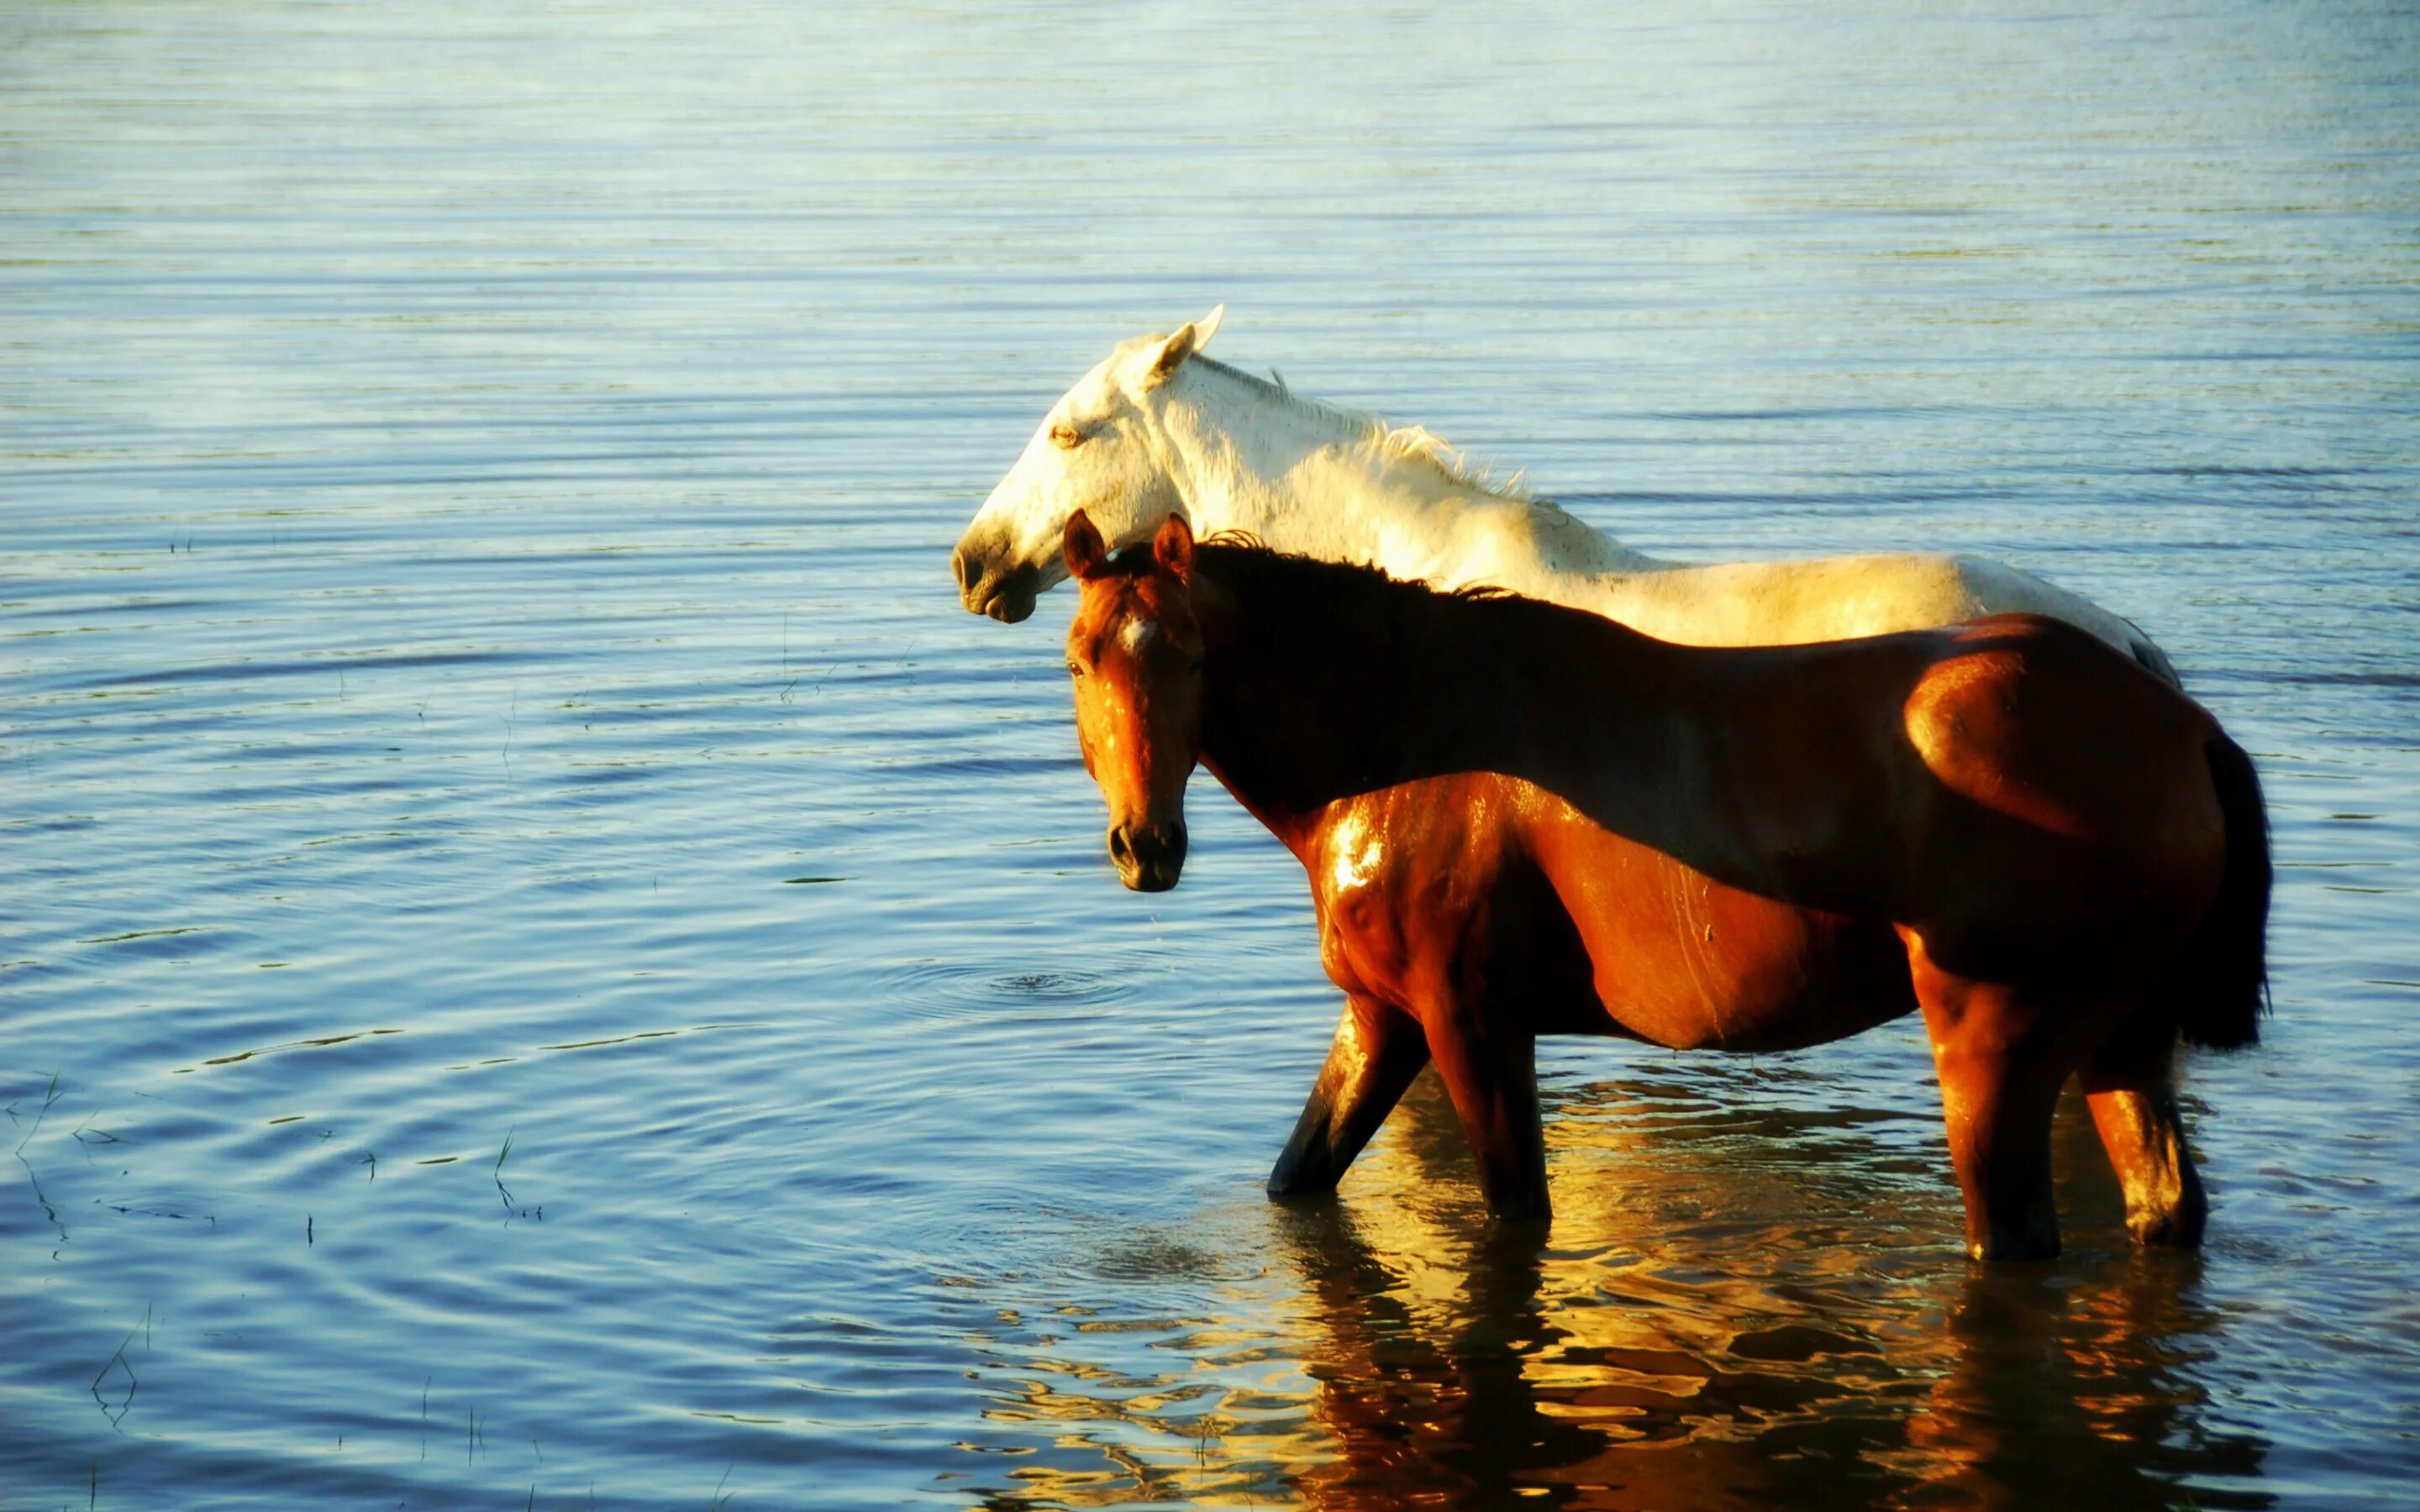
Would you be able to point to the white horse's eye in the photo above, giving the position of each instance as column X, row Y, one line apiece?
column 1066, row 438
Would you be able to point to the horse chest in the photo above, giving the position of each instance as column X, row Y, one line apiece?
column 1410, row 884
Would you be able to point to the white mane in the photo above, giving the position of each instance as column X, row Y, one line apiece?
column 1379, row 440
column 1250, row 455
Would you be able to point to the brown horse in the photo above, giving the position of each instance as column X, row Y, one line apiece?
column 1520, row 819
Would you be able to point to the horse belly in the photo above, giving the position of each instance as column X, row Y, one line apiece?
column 1685, row 961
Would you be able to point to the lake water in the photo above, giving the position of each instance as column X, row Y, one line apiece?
column 548, row 963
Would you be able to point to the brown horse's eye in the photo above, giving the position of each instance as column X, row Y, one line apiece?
column 1074, row 668
column 1066, row 438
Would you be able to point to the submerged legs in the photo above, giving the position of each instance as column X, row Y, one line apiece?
column 2002, row 1052
column 1377, row 1052
column 2128, row 1086
column 1493, row 1079
column 2001, row 1061
column 1998, row 1108
column 2003, row 1056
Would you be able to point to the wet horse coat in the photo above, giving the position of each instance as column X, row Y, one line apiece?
column 1521, row 820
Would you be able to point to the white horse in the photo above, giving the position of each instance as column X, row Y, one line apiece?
column 1157, row 429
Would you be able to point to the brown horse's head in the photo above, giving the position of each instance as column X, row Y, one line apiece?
column 1135, row 650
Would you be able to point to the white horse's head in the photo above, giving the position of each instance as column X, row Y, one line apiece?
column 1096, row 451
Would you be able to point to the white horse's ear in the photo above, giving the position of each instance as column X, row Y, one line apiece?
column 1189, row 338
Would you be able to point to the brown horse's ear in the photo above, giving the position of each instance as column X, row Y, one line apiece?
column 1084, row 547
column 1173, row 547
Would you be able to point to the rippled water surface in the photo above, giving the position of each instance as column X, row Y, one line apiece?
column 548, row 962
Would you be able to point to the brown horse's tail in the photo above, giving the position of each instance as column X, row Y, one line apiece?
column 2225, row 986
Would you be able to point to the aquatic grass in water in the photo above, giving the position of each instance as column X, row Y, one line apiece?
column 479, row 657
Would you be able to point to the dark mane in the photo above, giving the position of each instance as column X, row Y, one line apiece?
column 1394, row 668
column 1136, row 559
column 1299, row 597
column 1388, row 664
column 1305, row 601
column 1305, row 596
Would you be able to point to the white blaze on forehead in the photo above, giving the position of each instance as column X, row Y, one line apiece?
column 1138, row 634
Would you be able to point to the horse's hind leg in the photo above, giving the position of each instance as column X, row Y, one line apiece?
column 1377, row 1052
column 2129, row 1086
column 1491, row 1072
column 2001, row 1059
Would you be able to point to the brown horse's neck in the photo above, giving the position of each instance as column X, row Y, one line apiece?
column 1327, row 680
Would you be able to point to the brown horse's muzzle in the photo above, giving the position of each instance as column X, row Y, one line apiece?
column 1007, row 596
column 1149, row 856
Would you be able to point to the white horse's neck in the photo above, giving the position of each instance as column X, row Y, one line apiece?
column 1317, row 479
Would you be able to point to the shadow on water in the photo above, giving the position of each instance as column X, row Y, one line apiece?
column 1671, row 1343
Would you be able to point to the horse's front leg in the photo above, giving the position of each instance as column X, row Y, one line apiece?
column 1491, row 1071
column 1377, row 1052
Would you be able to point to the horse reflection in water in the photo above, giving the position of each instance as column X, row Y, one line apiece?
column 1709, row 1328
column 1623, row 1368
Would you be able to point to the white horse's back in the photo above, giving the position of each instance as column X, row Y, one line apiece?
column 1840, row 598
column 1157, row 429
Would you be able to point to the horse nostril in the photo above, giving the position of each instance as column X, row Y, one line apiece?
column 964, row 566
column 1120, row 850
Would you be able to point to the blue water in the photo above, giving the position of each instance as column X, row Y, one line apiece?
column 548, row 963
